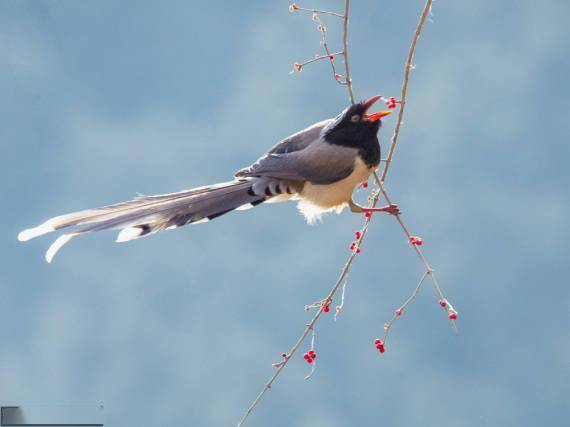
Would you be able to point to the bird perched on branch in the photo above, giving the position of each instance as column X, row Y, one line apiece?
column 319, row 166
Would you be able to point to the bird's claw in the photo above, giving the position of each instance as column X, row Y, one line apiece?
column 392, row 209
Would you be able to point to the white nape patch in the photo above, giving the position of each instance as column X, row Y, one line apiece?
column 30, row 233
column 56, row 246
column 129, row 233
column 245, row 207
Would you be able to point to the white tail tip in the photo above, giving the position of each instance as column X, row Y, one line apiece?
column 56, row 246
column 30, row 233
column 129, row 233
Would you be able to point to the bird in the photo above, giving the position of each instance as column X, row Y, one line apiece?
column 320, row 167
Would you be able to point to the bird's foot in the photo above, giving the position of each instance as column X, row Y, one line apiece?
column 391, row 209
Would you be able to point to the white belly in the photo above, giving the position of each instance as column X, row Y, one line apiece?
column 317, row 199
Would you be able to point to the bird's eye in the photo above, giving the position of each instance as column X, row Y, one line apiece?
column 355, row 118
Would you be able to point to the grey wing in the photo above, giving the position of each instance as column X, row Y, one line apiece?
column 305, row 156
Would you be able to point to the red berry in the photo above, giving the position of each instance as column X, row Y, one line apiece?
column 358, row 234
column 338, row 76
column 367, row 214
column 352, row 246
column 331, row 57
column 364, row 184
column 442, row 303
column 381, row 348
column 377, row 341
column 311, row 352
column 416, row 240
column 357, row 250
column 399, row 312
column 326, row 309
column 452, row 316
column 283, row 355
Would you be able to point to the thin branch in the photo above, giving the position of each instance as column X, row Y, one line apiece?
column 299, row 65
column 345, row 50
column 308, row 328
column 323, row 12
column 428, row 271
column 403, row 99
column 325, row 44
column 400, row 310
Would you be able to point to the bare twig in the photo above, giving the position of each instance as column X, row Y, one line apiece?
column 298, row 66
column 345, row 50
column 403, row 98
column 323, row 12
column 373, row 202
column 400, row 310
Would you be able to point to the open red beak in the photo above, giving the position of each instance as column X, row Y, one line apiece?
column 374, row 116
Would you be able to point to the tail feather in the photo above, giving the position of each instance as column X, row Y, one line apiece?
column 149, row 214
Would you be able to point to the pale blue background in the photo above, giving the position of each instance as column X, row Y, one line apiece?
column 101, row 99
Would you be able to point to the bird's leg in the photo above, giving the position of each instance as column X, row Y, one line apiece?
column 391, row 208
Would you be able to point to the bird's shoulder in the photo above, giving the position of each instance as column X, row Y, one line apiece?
column 299, row 140
column 292, row 144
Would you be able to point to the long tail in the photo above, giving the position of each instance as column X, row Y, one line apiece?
column 149, row 214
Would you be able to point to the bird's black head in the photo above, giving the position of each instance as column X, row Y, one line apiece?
column 354, row 126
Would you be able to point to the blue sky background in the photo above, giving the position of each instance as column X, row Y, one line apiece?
column 103, row 99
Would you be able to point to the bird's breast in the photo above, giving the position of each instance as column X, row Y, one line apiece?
column 337, row 194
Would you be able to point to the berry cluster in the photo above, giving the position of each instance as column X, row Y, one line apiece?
column 310, row 356
column 379, row 345
column 416, row 240
column 451, row 312
column 354, row 247
column 390, row 102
